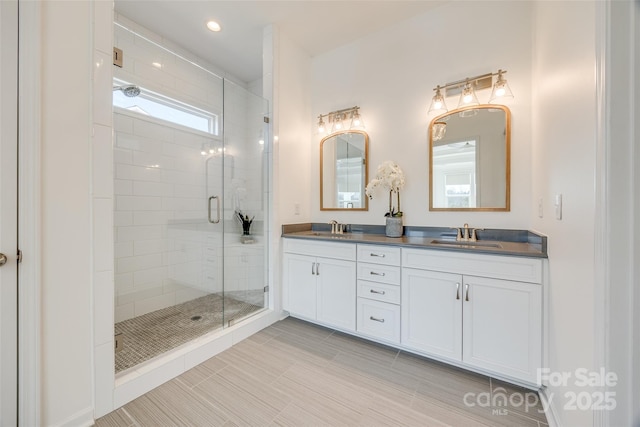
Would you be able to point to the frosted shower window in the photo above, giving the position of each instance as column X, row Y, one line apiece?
column 161, row 107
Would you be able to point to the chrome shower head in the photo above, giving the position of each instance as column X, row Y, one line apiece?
column 129, row 90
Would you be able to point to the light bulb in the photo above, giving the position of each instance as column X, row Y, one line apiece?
column 213, row 26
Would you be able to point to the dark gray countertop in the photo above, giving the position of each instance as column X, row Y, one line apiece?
column 490, row 241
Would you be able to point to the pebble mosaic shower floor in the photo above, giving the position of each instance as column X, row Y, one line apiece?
column 147, row 336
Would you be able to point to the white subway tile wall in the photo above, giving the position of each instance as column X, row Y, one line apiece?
column 166, row 250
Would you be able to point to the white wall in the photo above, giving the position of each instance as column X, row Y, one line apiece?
column 66, row 274
column 390, row 74
column 564, row 150
column 293, row 120
column 621, row 242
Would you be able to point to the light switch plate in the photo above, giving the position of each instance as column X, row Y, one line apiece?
column 558, row 205
column 540, row 211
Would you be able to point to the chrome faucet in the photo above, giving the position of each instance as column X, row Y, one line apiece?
column 464, row 236
column 336, row 227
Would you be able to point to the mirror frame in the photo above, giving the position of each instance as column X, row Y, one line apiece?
column 366, row 170
column 507, row 206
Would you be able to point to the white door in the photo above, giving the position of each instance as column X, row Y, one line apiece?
column 300, row 285
column 336, row 293
column 503, row 326
column 8, row 212
column 432, row 312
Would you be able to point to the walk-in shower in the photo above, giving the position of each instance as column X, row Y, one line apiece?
column 190, row 159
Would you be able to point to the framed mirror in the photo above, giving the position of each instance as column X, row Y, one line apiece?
column 343, row 171
column 469, row 159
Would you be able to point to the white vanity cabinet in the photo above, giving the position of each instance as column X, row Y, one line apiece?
column 483, row 311
column 478, row 311
column 320, row 282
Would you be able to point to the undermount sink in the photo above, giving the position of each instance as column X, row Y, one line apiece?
column 328, row 234
column 468, row 244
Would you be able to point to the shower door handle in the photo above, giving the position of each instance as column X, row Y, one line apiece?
column 217, row 220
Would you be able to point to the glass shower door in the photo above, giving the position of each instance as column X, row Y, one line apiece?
column 246, row 183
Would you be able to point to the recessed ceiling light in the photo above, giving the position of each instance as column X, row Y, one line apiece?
column 213, row 26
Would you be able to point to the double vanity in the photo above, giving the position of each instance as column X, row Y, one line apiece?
column 474, row 304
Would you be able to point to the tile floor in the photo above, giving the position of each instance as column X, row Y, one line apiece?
column 147, row 336
column 294, row 373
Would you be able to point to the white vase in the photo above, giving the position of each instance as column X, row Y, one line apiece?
column 394, row 226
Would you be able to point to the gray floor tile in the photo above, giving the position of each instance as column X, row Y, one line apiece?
column 118, row 418
column 517, row 400
column 298, row 374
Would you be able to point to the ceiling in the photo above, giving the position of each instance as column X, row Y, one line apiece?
column 316, row 26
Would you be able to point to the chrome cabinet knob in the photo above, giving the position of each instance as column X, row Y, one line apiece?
column 3, row 259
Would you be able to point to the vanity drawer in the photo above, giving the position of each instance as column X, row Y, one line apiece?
column 379, row 273
column 379, row 291
column 520, row 269
column 379, row 254
column 344, row 251
column 379, row 320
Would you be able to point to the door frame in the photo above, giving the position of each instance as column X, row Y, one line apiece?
column 29, row 212
column 9, row 214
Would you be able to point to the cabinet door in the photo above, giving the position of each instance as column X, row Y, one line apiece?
column 337, row 293
column 432, row 312
column 502, row 326
column 300, row 285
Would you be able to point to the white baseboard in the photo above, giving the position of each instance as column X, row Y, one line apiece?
column 550, row 413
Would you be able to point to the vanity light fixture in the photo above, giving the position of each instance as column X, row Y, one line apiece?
column 437, row 103
column 468, row 96
column 321, row 126
column 467, row 89
column 337, row 121
column 356, row 121
column 501, row 89
column 338, row 125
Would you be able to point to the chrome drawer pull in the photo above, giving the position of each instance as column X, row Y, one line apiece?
column 375, row 319
column 373, row 273
column 373, row 291
column 457, row 290
column 312, row 268
column 378, row 255
column 466, row 289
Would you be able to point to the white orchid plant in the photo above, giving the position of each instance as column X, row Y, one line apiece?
column 390, row 177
